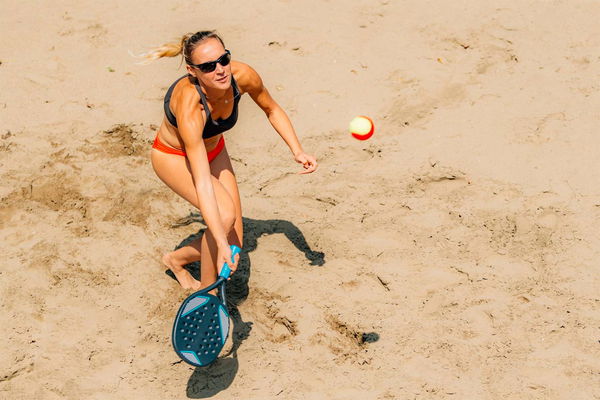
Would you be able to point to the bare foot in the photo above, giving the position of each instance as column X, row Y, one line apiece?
column 185, row 279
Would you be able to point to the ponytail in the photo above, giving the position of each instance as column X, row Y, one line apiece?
column 171, row 49
column 185, row 46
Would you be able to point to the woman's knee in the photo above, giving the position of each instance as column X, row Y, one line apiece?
column 226, row 205
column 228, row 218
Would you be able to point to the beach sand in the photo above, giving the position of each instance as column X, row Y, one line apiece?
column 454, row 255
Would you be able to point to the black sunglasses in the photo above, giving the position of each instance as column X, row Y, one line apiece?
column 212, row 65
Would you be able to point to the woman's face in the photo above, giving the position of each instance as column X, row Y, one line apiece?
column 207, row 51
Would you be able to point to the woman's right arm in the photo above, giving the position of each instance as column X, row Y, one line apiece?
column 190, row 124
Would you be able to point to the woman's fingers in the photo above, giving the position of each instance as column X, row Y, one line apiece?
column 308, row 169
column 235, row 263
column 308, row 162
column 232, row 262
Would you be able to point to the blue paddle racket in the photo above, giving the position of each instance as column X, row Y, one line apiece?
column 202, row 322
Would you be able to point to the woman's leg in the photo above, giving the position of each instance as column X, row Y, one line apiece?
column 174, row 171
column 222, row 169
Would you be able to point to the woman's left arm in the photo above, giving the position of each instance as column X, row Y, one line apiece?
column 251, row 82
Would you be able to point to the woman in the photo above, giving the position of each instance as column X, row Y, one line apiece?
column 189, row 153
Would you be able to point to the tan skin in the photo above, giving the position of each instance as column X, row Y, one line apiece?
column 212, row 187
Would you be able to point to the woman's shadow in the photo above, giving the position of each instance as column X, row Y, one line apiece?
column 208, row 381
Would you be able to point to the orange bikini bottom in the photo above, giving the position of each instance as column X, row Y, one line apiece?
column 160, row 146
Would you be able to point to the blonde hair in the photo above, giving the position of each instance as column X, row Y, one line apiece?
column 185, row 46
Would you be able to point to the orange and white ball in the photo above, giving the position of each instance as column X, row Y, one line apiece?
column 361, row 127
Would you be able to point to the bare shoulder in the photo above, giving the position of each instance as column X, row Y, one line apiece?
column 246, row 77
column 188, row 89
column 188, row 95
column 185, row 101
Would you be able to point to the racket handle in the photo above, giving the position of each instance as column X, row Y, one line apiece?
column 226, row 271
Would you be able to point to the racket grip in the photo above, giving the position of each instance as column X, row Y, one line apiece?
column 226, row 271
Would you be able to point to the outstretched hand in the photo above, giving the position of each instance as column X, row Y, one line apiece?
column 309, row 163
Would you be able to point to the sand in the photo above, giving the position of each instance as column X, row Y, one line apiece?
column 454, row 255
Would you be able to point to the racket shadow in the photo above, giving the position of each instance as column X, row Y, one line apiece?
column 208, row 381
column 237, row 292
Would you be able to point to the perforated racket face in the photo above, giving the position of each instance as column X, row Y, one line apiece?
column 200, row 329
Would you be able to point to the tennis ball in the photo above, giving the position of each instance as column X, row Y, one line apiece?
column 361, row 127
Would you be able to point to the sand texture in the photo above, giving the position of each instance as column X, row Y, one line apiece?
column 454, row 255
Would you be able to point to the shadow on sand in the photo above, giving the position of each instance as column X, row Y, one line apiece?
column 208, row 381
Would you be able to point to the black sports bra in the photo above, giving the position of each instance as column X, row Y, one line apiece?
column 211, row 127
